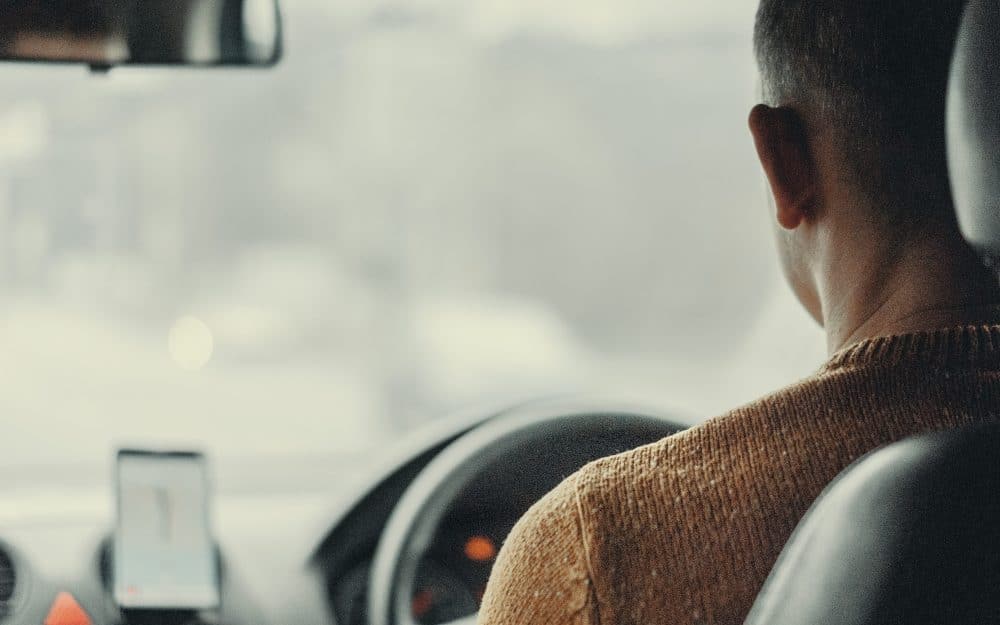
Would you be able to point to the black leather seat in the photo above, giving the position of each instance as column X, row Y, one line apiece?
column 974, row 126
column 911, row 533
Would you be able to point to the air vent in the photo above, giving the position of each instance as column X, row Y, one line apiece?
column 8, row 580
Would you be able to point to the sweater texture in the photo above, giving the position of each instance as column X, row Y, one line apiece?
column 686, row 530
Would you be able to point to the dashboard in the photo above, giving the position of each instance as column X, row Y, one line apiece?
column 405, row 539
column 450, row 579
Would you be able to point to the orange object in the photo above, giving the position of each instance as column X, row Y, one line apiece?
column 423, row 601
column 480, row 549
column 66, row 611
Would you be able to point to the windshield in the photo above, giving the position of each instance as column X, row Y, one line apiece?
column 427, row 204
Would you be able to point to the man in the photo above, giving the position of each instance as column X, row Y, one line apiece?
column 852, row 143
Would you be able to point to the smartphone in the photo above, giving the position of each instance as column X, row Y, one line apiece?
column 164, row 555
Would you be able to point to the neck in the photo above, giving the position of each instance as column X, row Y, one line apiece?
column 900, row 287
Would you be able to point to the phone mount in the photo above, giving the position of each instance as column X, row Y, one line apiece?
column 166, row 617
column 154, row 616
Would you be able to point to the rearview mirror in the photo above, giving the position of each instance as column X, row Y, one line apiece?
column 105, row 33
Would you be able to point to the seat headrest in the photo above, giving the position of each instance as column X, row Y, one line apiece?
column 907, row 535
column 974, row 126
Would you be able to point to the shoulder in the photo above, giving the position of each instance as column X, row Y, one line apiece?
column 704, row 446
column 541, row 574
column 666, row 522
column 709, row 472
column 683, row 479
column 580, row 549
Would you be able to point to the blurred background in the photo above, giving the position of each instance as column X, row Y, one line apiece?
column 427, row 204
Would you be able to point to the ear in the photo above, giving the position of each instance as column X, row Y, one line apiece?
column 783, row 150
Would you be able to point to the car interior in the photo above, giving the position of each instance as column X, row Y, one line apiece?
column 411, row 538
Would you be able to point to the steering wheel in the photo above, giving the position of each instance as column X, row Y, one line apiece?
column 564, row 434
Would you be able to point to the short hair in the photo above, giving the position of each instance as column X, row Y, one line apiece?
column 877, row 71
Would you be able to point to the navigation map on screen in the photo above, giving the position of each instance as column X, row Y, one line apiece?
column 163, row 553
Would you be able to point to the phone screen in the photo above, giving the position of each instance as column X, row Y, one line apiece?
column 164, row 556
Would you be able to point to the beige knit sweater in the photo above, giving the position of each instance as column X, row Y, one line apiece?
column 687, row 529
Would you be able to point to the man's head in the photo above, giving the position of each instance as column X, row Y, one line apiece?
column 853, row 126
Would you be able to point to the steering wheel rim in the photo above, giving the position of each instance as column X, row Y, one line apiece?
column 417, row 516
